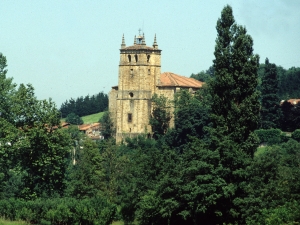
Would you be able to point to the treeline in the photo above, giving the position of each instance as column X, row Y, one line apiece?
column 87, row 105
column 276, row 86
column 288, row 80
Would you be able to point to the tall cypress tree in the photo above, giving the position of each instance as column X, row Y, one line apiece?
column 270, row 109
column 235, row 112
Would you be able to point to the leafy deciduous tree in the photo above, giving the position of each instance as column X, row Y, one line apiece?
column 160, row 116
column 74, row 119
column 235, row 111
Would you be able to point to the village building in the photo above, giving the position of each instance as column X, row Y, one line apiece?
column 139, row 79
column 92, row 130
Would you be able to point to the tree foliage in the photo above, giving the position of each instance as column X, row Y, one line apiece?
column 191, row 116
column 235, row 110
column 74, row 119
column 204, row 76
column 87, row 105
column 107, row 126
column 288, row 83
column 160, row 116
column 86, row 177
column 33, row 149
column 270, row 109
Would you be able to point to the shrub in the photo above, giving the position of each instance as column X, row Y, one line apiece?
column 59, row 211
column 269, row 136
column 74, row 119
column 296, row 135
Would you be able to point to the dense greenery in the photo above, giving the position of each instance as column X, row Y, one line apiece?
column 108, row 129
column 288, row 82
column 160, row 116
column 74, row 119
column 204, row 76
column 87, row 105
column 270, row 109
column 204, row 170
column 235, row 114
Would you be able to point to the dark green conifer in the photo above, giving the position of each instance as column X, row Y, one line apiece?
column 270, row 103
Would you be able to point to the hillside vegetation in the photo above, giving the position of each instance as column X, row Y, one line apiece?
column 93, row 118
column 204, row 170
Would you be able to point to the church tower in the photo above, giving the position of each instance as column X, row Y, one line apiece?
column 139, row 76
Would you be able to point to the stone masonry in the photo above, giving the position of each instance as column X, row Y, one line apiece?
column 139, row 78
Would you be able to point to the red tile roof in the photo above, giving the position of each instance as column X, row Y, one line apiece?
column 294, row 101
column 88, row 126
column 169, row 79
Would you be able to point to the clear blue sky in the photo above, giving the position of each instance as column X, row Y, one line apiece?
column 71, row 48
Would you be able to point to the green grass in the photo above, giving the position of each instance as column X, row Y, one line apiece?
column 93, row 118
column 117, row 223
column 260, row 150
column 8, row 222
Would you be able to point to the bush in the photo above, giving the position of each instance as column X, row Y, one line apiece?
column 59, row 211
column 74, row 119
column 269, row 136
column 296, row 135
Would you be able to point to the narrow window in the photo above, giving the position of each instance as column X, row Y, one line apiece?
column 136, row 58
column 129, row 117
column 131, row 72
column 129, row 58
column 148, row 71
column 148, row 58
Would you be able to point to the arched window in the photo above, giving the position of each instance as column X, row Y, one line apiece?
column 148, row 58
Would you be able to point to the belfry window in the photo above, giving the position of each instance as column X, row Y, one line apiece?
column 136, row 58
column 129, row 117
column 148, row 58
column 129, row 58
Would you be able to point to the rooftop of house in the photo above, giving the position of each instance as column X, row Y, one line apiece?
column 169, row 79
column 85, row 127
column 293, row 101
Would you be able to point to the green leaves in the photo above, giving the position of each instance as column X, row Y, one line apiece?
column 74, row 119
column 160, row 116
column 270, row 110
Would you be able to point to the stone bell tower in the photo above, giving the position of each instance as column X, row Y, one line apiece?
column 139, row 75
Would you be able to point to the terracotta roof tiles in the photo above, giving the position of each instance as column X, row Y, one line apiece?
column 173, row 80
column 294, row 101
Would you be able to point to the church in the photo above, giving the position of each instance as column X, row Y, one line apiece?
column 139, row 79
